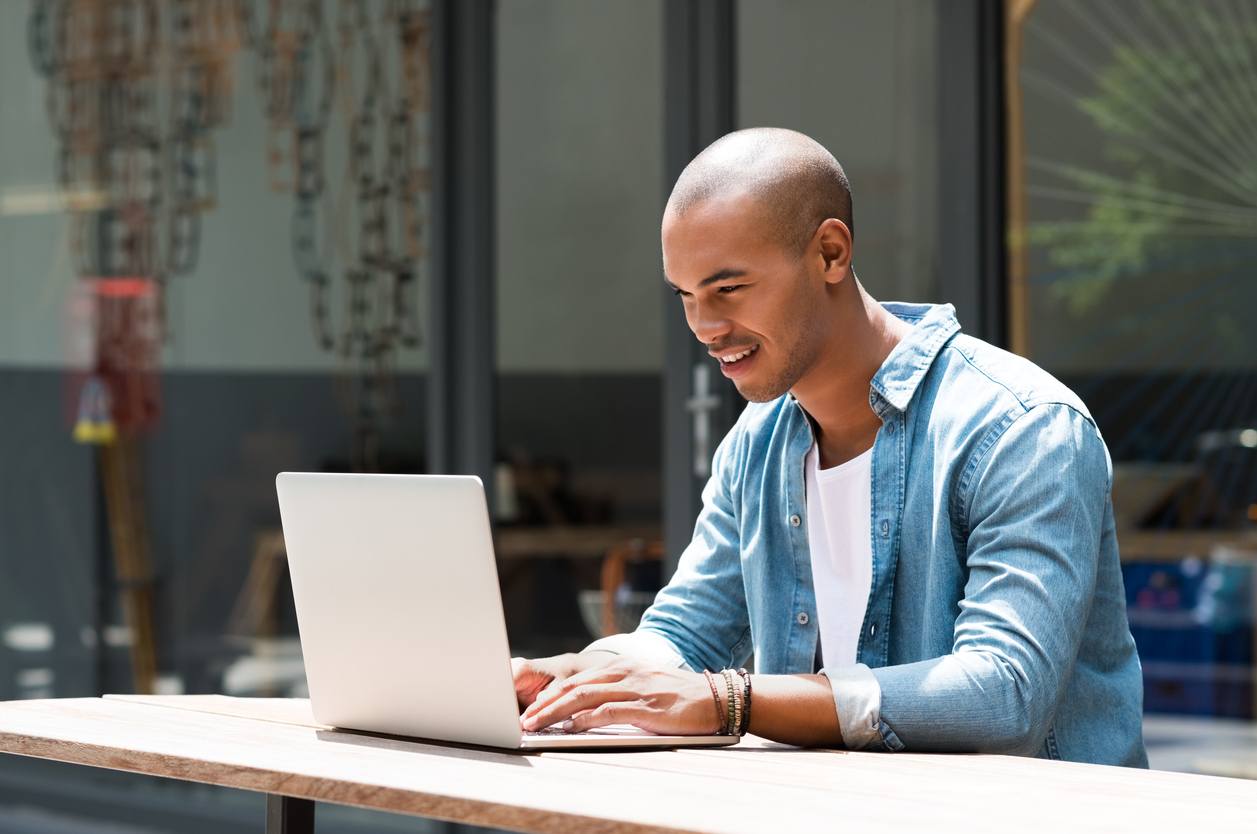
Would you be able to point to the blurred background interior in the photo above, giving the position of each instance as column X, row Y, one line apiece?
column 244, row 236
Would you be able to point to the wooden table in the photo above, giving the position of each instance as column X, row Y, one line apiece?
column 273, row 746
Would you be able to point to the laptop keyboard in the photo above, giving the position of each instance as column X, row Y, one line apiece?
column 612, row 730
column 550, row 731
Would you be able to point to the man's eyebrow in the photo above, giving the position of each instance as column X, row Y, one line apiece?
column 722, row 275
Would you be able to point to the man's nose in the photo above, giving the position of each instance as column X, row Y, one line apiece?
column 707, row 323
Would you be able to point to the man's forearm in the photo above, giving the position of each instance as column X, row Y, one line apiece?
column 795, row 709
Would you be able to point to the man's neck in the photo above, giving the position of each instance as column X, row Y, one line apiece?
column 835, row 392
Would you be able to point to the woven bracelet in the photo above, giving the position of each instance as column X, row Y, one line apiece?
column 724, row 724
column 735, row 717
column 746, row 702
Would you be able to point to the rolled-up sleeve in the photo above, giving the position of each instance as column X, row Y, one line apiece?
column 858, row 703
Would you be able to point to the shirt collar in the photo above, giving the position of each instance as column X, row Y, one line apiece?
column 933, row 325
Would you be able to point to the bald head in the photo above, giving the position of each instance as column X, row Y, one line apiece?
column 796, row 182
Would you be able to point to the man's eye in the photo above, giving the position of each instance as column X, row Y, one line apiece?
column 728, row 288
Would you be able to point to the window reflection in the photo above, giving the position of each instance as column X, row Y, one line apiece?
column 580, row 322
column 214, row 220
column 1135, row 241
column 872, row 102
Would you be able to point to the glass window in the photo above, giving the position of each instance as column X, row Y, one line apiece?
column 859, row 78
column 203, row 286
column 580, row 319
column 1134, row 256
column 200, row 286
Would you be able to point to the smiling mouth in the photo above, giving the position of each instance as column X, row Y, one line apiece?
column 733, row 358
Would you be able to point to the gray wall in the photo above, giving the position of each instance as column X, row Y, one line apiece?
column 48, row 541
column 579, row 185
column 858, row 77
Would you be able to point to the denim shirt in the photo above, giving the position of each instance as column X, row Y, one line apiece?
column 996, row 617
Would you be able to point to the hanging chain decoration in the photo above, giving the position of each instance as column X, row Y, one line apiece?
column 205, row 39
column 295, row 75
column 374, row 234
column 135, row 90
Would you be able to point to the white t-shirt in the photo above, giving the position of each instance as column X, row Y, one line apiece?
column 839, row 506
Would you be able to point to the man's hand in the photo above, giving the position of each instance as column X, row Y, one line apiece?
column 658, row 699
column 594, row 689
column 532, row 676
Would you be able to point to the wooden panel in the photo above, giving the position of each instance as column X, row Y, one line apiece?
column 762, row 787
column 573, row 542
column 1176, row 545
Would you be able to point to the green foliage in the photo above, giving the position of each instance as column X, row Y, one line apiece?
column 1181, row 124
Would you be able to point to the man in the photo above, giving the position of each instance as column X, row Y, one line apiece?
column 921, row 517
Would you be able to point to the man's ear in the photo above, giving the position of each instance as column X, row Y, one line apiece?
column 833, row 240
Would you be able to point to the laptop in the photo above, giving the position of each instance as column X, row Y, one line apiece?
column 400, row 614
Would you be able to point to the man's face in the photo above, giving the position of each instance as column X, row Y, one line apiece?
column 753, row 304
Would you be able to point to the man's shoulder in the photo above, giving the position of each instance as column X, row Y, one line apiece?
column 981, row 375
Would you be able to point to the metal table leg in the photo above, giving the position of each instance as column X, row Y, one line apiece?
column 289, row 815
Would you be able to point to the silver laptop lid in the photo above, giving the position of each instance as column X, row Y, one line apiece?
column 398, row 605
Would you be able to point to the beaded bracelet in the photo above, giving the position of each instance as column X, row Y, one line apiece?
column 746, row 703
column 720, row 716
column 734, row 717
column 735, row 685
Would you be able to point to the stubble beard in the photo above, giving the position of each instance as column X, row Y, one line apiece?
column 799, row 358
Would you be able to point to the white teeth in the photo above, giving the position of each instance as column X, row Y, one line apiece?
column 734, row 357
